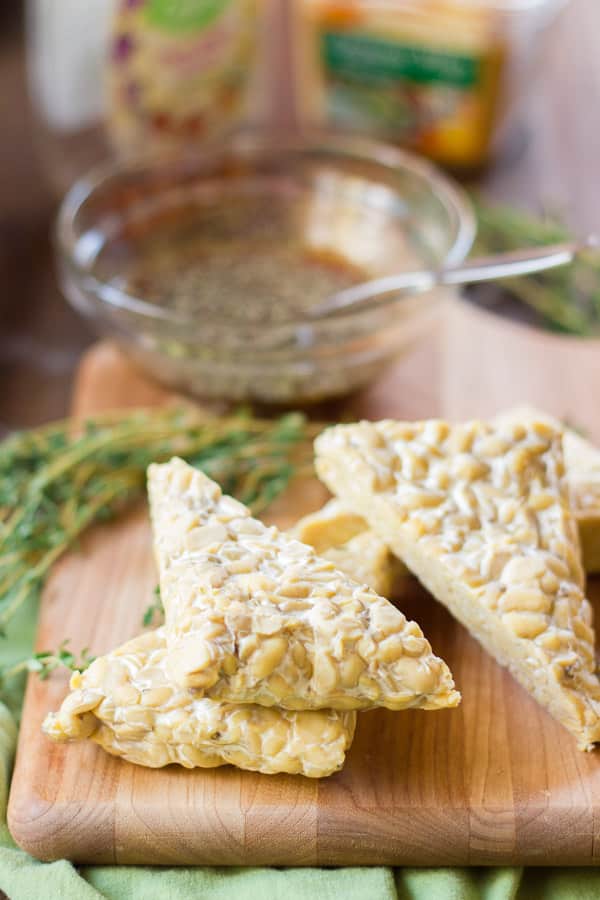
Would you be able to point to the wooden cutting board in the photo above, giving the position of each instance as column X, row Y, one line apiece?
column 494, row 782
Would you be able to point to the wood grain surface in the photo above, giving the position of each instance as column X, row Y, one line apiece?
column 495, row 781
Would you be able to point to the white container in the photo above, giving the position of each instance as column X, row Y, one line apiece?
column 68, row 44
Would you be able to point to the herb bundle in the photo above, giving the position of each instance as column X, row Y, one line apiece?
column 58, row 480
column 566, row 299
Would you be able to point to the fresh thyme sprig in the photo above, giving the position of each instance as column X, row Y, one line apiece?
column 58, row 480
column 46, row 661
column 566, row 299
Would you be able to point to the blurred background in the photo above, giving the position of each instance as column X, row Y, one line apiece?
column 502, row 95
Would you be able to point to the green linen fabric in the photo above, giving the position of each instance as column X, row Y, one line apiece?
column 23, row 878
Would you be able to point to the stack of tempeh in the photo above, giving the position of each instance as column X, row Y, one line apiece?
column 268, row 649
column 266, row 652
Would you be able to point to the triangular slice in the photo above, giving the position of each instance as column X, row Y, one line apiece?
column 254, row 616
column 366, row 560
column 582, row 466
column 331, row 526
column 331, row 529
column 480, row 515
column 127, row 703
column 346, row 540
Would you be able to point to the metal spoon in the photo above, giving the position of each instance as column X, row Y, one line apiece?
column 483, row 268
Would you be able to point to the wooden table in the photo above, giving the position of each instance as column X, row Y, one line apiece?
column 41, row 339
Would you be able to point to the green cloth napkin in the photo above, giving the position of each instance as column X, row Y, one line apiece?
column 23, row 878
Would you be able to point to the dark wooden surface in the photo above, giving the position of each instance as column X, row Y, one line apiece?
column 558, row 165
column 41, row 340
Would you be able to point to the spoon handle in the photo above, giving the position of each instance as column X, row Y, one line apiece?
column 483, row 268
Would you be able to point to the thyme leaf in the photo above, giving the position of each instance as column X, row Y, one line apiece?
column 155, row 610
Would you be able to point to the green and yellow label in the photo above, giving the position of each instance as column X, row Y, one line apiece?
column 361, row 58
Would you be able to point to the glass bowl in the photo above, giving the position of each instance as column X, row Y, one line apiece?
column 204, row 268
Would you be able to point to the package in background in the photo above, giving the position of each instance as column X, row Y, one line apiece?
column 179, row 71
column 422, row 73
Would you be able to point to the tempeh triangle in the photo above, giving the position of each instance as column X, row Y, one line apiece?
column 480, row 514
column 345, row 540
column 329, row 529
column 254, row 616
column 127, row 704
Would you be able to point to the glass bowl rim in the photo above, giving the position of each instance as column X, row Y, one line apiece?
column 519, row 6
column 451, row 195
